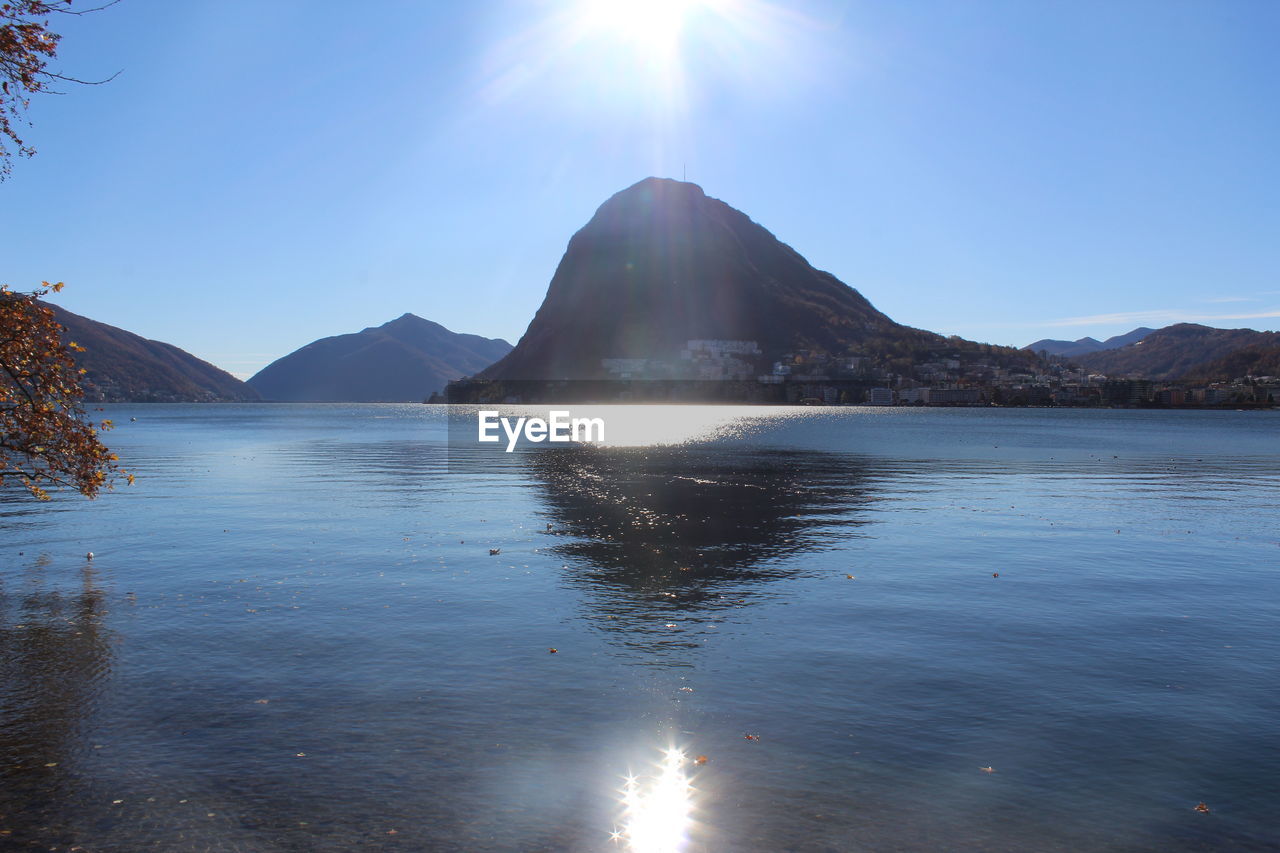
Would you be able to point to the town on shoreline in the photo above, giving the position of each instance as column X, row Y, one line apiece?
column 730, row 372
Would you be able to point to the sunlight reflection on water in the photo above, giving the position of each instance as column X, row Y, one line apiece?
column 316, row 580
column 656, row 426
column 657, row 811
column 636, row 425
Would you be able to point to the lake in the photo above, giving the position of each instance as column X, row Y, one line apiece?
column 737, row 629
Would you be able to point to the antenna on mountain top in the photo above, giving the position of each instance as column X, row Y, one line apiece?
column 684, row 172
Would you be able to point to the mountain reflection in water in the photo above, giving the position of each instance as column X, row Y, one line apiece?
column 326, row 628
column 659, row 534
column 55, row 657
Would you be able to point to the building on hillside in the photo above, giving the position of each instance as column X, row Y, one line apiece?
column 712, row 359
column 719, row 349
column 1127, row 392
column 913, row 396
column 954, row 396
column 880, row 397
column 626, row 368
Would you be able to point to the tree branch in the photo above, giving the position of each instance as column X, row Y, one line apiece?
column 53, row 75
column 84, row 11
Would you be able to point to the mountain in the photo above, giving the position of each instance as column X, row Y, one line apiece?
column 661, row 264
column 1056, row 347
column 404, row 360
column 1084, row 346
column 1117, row 341
column 1249, row 361
column 1177, row 351
column 123, row 367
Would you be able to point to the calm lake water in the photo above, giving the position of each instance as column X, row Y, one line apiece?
column 293, row 636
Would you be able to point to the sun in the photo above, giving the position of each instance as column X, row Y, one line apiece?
column 653, row 25
column 638, row 69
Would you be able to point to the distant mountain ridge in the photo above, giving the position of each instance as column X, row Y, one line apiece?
column 1249, row 361
column 1084, row 346
column 1184, row 350
column 123, row 367
column 403, row 360
column 661, row 264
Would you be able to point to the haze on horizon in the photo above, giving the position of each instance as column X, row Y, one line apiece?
column 260, row 176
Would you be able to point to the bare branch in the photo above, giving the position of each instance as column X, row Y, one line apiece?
column 52, row 75
column 85, row 11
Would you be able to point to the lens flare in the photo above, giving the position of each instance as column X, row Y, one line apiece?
column 651, row 24
column 657, row 812
column 631, row 66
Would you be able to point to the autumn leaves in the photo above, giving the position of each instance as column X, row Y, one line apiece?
column 46, row 438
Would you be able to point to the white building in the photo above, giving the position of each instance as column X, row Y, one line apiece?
column 713, row 359
column 720, row 349
column 880, row 397
column 625, row 368
column 913, row 395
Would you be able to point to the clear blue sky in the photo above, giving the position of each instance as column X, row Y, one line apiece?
column 265, row 173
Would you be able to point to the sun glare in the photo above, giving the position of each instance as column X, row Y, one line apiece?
column 655, row 25
column 640, row 69
column 657, row 811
